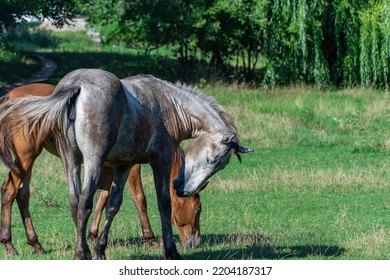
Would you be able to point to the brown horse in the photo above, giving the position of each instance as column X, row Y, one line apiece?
column 185, row 211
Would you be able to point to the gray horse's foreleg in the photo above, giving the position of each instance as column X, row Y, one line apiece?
column 113, row 205
column 162, row 179
column 74, row 184
column 93, row 176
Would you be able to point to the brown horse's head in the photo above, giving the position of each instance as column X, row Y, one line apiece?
column 185, row 210
column 185, row 217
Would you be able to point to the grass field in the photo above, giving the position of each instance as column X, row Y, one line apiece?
column 316, row 187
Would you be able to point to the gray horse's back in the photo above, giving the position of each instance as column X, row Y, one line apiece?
column 85, row 76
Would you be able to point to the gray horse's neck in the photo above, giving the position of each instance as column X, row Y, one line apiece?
column 198, row 113
column 186, row 112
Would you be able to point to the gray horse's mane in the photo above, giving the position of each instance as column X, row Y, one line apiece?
column 198, row 94
column 225, row 116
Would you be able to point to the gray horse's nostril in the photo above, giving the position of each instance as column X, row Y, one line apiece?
column 180, row 193
column 177, row 183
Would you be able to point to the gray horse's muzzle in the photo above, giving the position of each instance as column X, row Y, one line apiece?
column 181, row 191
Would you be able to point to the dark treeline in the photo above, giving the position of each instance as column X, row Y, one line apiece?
column 329, row 43
column 324, row 42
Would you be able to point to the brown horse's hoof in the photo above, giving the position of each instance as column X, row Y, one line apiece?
column 10, row 249
column 152, row 242
column 12, row 252
column 38, row 249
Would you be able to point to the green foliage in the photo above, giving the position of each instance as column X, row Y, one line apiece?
column 14, row 65
column 13, row 10
column 313, row 41
column 326, row 43
column 148, row 24
column 232, row 28
column 375, row 45
column 329, row 44
column 27, row 36
column 219, row 29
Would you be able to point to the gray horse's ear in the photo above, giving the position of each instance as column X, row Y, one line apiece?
column 244, row 150
column 227, row 138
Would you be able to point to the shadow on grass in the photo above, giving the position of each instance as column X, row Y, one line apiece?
column 257, row 246
column 16, row 70
column 121, row 64
column 125, row 65
column 242, row 246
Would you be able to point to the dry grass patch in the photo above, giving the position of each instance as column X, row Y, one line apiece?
column 370, row 244
column 307, row 180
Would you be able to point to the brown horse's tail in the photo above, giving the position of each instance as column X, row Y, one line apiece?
column 43, row 116
column 6, row 144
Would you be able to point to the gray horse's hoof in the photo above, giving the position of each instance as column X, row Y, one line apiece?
column 174, row 255
column 83, row 256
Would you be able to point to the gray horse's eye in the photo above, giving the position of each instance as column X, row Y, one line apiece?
column 211, row 160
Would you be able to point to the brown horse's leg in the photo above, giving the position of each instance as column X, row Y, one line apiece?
column 101, row 200
column 23, row 200
column 9, row 191
column 135, row 185
column 113, row 205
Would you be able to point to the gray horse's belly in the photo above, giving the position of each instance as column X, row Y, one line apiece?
column 130, row 147
column 121, row 156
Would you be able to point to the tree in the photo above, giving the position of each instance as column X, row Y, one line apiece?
column 232, row 28
column 151, row 23
column 60, row 11
column 324, row 42
column 375, row 45
column 328, row 43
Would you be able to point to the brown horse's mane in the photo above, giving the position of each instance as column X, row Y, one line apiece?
column 179, row 156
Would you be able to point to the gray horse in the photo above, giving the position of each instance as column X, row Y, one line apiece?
column 112, row 124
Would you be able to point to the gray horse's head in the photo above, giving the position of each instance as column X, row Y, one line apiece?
column 206, row 155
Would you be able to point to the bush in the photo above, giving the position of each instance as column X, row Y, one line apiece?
column 30, row 37
column 14, row 65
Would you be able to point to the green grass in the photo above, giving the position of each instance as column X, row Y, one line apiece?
column 316, row 187
column 313, row 189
